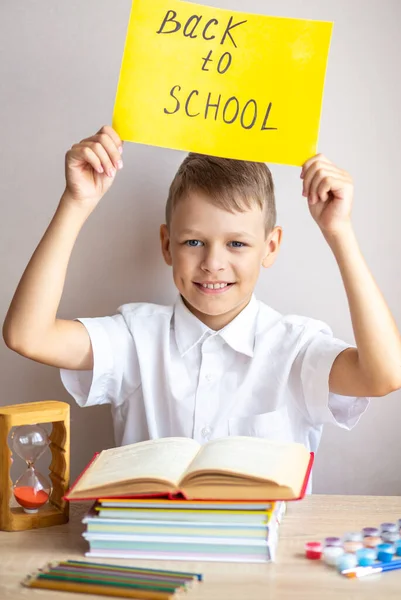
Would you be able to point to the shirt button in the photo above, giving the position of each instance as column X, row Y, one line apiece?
column 209, row 377
column 206, row 431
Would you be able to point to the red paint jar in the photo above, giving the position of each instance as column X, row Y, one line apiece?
column 313, row 550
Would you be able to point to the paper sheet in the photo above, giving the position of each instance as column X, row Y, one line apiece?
column 222, row 82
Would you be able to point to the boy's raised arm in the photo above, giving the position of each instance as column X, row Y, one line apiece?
column 373, row 368
column 31, row 327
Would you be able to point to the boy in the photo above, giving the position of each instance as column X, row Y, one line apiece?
column 219, row 362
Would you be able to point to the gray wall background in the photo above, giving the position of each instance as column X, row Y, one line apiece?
column 59, row 71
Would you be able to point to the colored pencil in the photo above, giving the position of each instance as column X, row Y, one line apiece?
column 111, row 580
column 101, row 590
column 96, row 565
column 82, row 578
column 112, row 575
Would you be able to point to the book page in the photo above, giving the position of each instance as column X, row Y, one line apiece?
column 164, row 459
column 282, row 463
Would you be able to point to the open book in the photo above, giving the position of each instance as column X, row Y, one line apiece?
column 231, row 468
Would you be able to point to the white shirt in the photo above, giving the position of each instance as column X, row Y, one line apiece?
column 165, row 373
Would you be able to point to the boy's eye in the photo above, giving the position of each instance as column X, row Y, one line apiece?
column 197, row 243
column 193, row 243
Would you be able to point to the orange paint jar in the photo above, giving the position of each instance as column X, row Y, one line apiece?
column 371, row 541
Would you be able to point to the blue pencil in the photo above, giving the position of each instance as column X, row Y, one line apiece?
column 376, row 568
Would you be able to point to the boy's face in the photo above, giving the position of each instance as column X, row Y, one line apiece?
column 208, row 246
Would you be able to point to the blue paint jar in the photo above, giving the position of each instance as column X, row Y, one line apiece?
column 397, row 547
column 385, row 552
column 366, row 557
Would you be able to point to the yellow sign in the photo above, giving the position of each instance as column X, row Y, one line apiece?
column 222, row 82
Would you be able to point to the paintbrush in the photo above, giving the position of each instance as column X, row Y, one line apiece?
column 375, row 568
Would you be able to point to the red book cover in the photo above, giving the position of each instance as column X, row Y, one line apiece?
column 181, row 495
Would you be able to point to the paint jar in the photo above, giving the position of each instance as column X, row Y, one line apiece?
column 372, row 541
column 352, row 536
column 313, row 550
column 332, row 541
column 346, row 561
column 370, row 532
column 390, row 537
column 331, row 554
column 397, row 548
column 399, row 526
column 385, row 552
column 351, row 546
column 388, row 527
column 366, row 557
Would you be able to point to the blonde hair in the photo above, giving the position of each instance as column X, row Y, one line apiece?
column 232, row 185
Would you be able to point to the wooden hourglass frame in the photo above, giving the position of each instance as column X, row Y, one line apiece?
column 32, row 413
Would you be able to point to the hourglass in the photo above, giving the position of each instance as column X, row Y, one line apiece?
column 32, row 489
column 41, row 500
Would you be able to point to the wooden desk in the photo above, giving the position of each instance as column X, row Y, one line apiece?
column 291, row 577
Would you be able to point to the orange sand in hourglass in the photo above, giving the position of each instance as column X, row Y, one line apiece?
column 28, row 497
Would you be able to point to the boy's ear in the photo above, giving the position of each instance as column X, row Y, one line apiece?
column 272, row 246
column 165, row 244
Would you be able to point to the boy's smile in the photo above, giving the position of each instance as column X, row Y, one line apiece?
column 216, row 256
column 210, row 287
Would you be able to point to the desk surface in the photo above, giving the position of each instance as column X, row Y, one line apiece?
column 291, row 577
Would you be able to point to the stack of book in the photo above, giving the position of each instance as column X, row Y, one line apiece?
column 175, row 499
column 183, row 530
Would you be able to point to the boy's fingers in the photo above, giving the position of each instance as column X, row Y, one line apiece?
column 111, row 142
column 95, row 154
column 324, row 188
column 309, row 189
column 111, row 148
column 311, row 173
column 318, row 158
column 94, row 160
column 85, row 153
column 322, row 183
column 103, row 155
column 114, row 136
column 104, row 148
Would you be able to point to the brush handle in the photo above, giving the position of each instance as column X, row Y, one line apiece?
column 391, row 566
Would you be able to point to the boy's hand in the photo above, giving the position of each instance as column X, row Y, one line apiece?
column 91, row 165
column 330, row 193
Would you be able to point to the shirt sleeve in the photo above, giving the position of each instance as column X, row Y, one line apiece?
column 115, row 364
column 313, row 363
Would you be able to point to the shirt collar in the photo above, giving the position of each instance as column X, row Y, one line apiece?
column 239, row 334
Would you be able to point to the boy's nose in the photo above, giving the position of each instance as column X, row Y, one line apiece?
column 213, row 261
